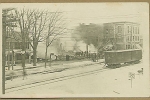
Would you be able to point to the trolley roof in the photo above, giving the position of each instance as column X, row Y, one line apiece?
column 123, row 50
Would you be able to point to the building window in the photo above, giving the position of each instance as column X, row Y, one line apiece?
column 126, row 46
column 119, row 29
column 128, row 38
column 138, row 30
column 128, row 29
column 133, row 46
column 133, row 38
column 133, row 30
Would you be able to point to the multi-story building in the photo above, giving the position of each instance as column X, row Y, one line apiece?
column 123, row 35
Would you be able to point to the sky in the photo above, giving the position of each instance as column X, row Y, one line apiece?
column 75, row 13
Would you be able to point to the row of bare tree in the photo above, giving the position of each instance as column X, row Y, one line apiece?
column 36, row 25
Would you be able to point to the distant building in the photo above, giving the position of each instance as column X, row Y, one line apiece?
column 122, row 35
column 14, row 49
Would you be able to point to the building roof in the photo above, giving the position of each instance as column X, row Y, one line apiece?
column 121, row 22
column 123, row 50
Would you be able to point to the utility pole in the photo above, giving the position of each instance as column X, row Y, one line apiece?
column 3, row 49
column 12, row 54
column 6, row 19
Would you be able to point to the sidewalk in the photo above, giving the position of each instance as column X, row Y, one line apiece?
column 42, row 73
column 42, row 64
column 39, row 68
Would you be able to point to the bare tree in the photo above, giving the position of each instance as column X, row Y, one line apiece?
column 24, row 26
column 32, row 23
column 55, row 28
column 40, row 19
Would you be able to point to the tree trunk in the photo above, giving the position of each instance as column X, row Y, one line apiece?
column 23, row 60
column 12, row 61
column 87, row 50
column 23, row 52
column 45, row 56
column 50, row 61
column 9, row 57
column 34, row 57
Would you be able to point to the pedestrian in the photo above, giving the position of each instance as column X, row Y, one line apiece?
column 24, row 74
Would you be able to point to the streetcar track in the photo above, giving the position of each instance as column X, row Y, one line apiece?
column 58, row 79
column 48, row 81
column 46, row 72
column 49, row 71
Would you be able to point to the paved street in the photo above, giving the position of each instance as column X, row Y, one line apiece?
column 105, row 82
column 43, row 74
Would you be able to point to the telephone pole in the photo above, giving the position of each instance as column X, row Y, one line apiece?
column 3, row 49
column 6, row 19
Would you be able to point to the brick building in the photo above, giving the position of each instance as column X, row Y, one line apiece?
column 123, row 35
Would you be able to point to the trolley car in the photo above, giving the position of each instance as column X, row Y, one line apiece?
column 114, row 59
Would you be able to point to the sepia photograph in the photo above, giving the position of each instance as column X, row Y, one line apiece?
column 54, row 50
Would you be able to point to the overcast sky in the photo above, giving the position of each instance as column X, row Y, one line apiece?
column 75, row 13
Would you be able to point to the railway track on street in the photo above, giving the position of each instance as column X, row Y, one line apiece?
column 53, row 80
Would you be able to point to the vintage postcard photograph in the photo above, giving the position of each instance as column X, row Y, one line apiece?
column 54, row 50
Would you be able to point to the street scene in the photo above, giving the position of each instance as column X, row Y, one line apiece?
column 75, row 50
